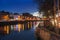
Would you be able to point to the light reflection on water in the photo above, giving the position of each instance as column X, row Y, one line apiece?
column 18, row 27
column 6, row 29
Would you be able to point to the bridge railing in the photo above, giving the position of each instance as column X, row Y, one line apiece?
column 20, row 18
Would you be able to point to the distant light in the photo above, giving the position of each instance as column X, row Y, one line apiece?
column 59, row 25
column 56, row 21
column 52, row 21
column 12, row 27
column 36, row 14
column 56, row 15
column 16, row 18
column 59, row 14
column 44, row 16
column 48, row 11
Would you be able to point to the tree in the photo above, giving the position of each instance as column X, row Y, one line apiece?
column 27, row 14
column 4, row 13
column 46, row 6
column 16, row 13
column 59, row 4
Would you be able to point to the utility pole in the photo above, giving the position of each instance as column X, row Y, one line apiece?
column 58, row 16
column 58, row 12
column 56, row 28
column 54, row 16
column 58, row 7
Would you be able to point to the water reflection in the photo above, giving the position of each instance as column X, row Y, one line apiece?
column 6, row 29
column 17, row 27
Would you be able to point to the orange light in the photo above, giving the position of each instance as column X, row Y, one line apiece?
column 7, row 29
column 4, row 28
column 18, row 17
column 6, row 17
column 23, row 26
column 59, row 25
column 19, row 27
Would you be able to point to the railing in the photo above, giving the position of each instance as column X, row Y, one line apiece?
column 19, row 18
column 49, row 32
column 22, row 20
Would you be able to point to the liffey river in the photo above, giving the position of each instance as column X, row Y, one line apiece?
column 24, row 31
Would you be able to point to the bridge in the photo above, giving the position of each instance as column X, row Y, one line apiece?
column 6, row 18
column 19, row 19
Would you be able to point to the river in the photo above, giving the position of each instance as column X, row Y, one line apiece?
column 25, row 31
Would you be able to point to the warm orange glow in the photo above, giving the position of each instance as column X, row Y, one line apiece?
column 7, row 29
column 27, row 18
column 34, row 18
column 19, row 18
column 19, row 27
column 23, row 26
column 52, row 21
column 30, row 19
column 6, row 17
column 56, row 22
column 59, row 25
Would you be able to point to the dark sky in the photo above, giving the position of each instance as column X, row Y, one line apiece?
column 18, row 6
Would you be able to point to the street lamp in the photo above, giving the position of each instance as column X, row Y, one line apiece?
column 58, row 13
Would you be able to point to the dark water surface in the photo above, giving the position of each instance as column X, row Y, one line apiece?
column 18, row 32
column 23, row 35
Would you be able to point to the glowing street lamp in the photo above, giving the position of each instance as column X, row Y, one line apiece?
column 56, row 15
column 6, row 17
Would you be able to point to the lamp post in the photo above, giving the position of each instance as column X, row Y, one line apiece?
column 56, row 28
column 54, row 16
column 58, row 12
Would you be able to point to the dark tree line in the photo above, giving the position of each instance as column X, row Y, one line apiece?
column 46, row 6
column 8, row 13
column 27, row 14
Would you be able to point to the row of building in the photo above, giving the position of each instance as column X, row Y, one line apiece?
column 6, row 16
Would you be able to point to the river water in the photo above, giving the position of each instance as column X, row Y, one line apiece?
column 24, row 31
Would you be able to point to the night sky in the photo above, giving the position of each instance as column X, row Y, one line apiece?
column 18, row 6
